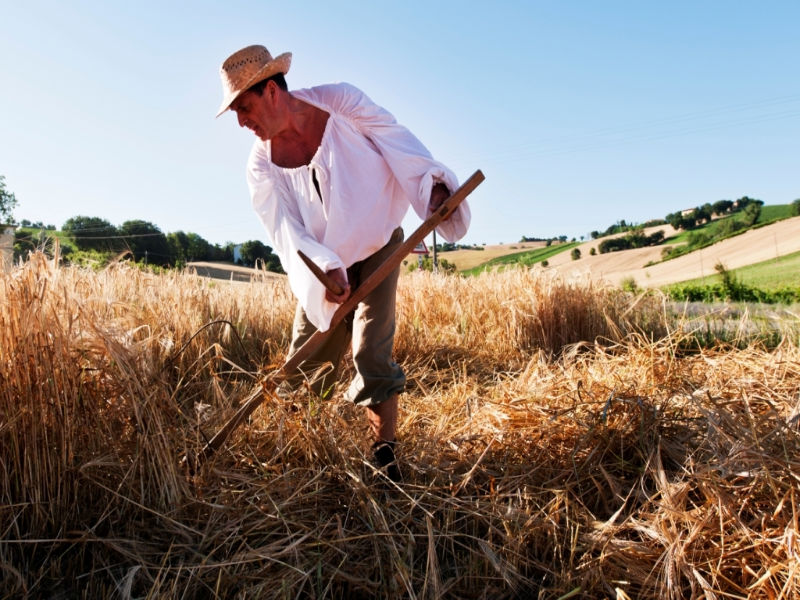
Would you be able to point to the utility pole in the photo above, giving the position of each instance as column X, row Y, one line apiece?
column 435, row 257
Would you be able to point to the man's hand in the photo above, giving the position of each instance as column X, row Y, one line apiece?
column 339, row 276
column 439, row 193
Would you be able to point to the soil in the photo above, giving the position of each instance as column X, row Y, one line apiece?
column 229, row 272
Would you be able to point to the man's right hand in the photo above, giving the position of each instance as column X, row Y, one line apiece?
column 439, row 193
column 339, row 276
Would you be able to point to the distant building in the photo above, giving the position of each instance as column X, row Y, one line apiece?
column 6, row 246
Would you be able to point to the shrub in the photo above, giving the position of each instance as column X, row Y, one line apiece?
column 445, row 266
column 629, row 285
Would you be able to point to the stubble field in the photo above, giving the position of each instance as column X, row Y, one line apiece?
column 558, row 440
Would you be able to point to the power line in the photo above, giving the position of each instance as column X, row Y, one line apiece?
column 114, row 237
column 648, row 130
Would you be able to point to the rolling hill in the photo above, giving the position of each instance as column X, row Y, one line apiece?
column 757, row 245
column 751, row 247
column 754, row 246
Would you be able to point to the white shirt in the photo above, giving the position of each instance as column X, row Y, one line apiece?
column 369, row 169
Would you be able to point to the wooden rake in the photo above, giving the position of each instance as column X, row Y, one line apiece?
column 394, row 260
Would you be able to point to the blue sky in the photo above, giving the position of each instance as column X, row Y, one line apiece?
column 578, row 113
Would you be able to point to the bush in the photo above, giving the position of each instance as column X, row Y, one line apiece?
column 751, row 213
column 575, row 254
column 634, row 239
column 445, row 266
column 629, row 285
column 732, row 290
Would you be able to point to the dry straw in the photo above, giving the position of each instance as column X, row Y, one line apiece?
column 557, row 441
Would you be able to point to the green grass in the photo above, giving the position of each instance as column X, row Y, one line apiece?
column 709, row 229
column 35, row 238
column 525, row 258
column 769, row 275
column 774, row 212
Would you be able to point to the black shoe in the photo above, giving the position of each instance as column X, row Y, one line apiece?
column 383, row 452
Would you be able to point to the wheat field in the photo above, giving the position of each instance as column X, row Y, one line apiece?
column 558, row 440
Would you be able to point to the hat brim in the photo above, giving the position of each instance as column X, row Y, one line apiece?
column 279, row 64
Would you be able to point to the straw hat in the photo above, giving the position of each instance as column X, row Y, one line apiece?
column 245, row 68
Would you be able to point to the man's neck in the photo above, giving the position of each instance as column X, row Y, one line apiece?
column 296, row 145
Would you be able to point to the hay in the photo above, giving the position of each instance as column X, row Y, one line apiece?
column 556, row 442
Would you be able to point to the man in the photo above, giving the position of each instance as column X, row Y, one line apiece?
column 332, row 174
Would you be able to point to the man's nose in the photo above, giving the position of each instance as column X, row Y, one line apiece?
column 240, row 118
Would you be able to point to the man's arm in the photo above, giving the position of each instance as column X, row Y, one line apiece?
column 415, row 169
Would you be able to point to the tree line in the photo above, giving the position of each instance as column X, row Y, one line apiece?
column 143, row 241
column 687, row 220
column 700, row 215
column 691, row 218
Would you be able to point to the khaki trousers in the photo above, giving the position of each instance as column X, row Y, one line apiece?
column 370, row 328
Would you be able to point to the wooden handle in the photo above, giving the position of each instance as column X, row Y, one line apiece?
column 323, row 277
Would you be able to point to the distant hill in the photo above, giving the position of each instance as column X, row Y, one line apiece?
column 780, row 236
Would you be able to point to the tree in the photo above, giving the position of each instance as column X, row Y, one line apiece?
column 8, row 201
column 199, row 248
column 721, row 207
column 92, row 233
column 745, row 201
column 751, row 213
column 224, row 253
column 796, row 207
column 254, row 250
column 674, row 219
column 703, row 213
column 146, row 242
column 178, row 244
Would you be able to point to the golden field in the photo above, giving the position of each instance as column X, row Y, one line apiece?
column 558, row 440
column 466, row 259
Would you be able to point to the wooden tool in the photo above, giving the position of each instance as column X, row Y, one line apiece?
column 394, row 260
column 323, row 277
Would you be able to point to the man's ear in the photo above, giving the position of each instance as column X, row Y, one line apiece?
column 270, row 90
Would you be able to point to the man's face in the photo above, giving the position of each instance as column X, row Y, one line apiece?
column 255, row 112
